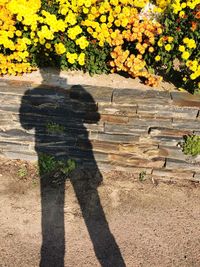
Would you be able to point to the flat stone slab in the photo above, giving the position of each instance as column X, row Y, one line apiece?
column 135, row 96
column 185, row 99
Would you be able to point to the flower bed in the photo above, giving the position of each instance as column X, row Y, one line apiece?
column 100, row 36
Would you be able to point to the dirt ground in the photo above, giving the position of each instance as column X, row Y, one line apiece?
column 153, row 224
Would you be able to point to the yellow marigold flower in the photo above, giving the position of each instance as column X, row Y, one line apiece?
column 88, row 3
column 124, row 22
column 157, row 58
column 186, row 40
column 101, row 43
column 193, row 76
column 181, row 14
column 48, row 45
column 81, row 59
column 170, row 39
column 60, row 48
column 168, row 47
column 183, row 5
column 85, row 10
column 18, row 33
column 160, row 43
column 191, row 44
column 185, row 55
column 181, row 48
column 151, row 49
column 117, row 23
column 103, row 18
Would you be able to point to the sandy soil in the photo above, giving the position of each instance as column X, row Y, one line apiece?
column 153, row 225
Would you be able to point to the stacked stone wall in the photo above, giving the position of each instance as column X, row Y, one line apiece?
column 127, row 129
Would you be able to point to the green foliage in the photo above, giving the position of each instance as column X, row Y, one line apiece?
column 97, row 58
column 22, row 172
column 191, row 145
column 54, row 128
column 49, row 164
column 50, row 6
column 142, row 176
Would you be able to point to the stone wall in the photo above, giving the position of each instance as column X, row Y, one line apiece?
column 123, row 129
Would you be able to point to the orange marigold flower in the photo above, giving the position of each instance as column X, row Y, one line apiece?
column 194, row 26
column 197, row 16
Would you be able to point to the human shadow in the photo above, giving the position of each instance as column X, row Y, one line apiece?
column 58, row 116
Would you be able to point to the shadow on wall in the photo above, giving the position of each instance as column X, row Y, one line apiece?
column 69, row 109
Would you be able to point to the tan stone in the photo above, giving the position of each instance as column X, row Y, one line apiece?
column 145, row 151
column 130, row 160
column 114, row 119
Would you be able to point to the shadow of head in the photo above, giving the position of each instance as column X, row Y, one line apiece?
column 71, row 104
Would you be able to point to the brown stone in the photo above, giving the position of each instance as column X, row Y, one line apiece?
column 185, row 99
column 172, row 153
column 118, row 110
column 150, row 122
column 161, row 131
column 144, row 151
column 96, row 145
column 114, row 119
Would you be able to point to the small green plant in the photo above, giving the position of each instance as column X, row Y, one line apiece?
column 48, row 164
column 142, row 176
column 67, row 166
column 53, row 128
column 22, row 172
column 191, row 145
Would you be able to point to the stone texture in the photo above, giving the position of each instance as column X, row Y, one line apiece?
column 116, row 138
column 114, row 119
column 172, row 153
column 167, row 111
column 186, row 124
column 169, row 141
column 161, row 131
column 174, row 164
column 101, row 146
column 121, row 129
column 185, row 99
column 91, row 94
column 150, row 122
column 125, row 129
column 130, row 160
column 117, row 110
column 135, row 96
column 144, row 151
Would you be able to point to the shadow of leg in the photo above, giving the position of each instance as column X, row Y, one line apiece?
column 53, row 233
column 105, row 246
